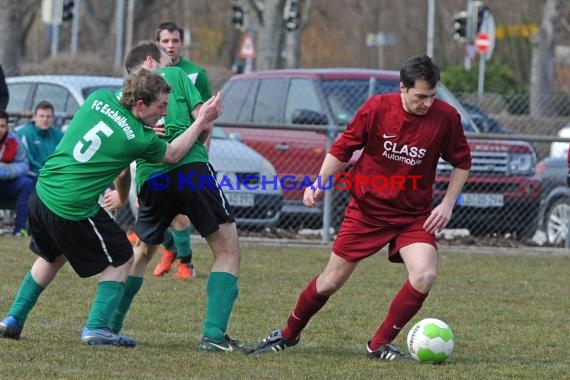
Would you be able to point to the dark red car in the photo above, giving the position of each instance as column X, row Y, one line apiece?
column 501, row 195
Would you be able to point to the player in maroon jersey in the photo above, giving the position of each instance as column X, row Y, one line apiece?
column 402, row 134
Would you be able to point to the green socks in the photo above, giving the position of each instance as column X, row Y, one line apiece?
column 132, row 287
column 182, row 242
column 108, row 296
column 222, row 291
column 26, row 298
column 168, row 240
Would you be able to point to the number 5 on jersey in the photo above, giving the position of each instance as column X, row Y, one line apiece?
column 82, row 151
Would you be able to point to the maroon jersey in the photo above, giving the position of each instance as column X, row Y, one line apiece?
column 393, row 178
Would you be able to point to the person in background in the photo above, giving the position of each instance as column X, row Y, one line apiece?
column 39, row 137
column 4, row 94
column 402, row 217
column 170, row 37
column 15, row 184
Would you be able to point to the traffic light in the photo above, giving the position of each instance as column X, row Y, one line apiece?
column 237, row 15
column 460, row 26
column 67, row 10
column 291, row 15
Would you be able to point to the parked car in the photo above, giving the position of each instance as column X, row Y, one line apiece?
column 255, row 206
column 501, row 195
column 483, row 121
column 65, row 92
column 555, row 203
column 559, row 149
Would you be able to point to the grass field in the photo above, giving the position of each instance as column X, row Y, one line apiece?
column 510, row 314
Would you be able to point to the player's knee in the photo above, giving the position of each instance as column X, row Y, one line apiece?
column 423, row 281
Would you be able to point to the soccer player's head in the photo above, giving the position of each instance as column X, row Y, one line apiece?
column 145, row 93
column 418, row 84
column 148, row 55
column 170, row 37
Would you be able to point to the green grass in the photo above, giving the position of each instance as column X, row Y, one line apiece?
column 510, row 314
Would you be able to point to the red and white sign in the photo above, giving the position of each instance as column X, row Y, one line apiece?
column 247, row 49
column 482, row 43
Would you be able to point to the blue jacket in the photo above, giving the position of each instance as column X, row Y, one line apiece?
column 17, row 168
column 39, row 144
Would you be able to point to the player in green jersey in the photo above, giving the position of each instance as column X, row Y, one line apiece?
column 66, row 221
column 170, row 37
column 206, row 206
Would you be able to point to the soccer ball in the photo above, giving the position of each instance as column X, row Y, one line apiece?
column 431, row 341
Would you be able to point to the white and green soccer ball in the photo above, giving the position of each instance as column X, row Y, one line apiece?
column 431, row 341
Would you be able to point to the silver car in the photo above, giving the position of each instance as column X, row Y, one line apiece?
column 242, row 172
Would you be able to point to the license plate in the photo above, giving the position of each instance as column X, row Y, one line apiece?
column 240, row 199
column 481, row 200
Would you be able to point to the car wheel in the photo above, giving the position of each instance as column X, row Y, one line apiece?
column 556, row 221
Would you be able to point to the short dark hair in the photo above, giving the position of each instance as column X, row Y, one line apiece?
column 4, row 115
column 145, row 85
column 44, row 105
column 171, row 27
column 138, row 53
column 419, row 67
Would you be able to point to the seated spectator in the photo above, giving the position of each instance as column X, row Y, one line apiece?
column 15, row 184
column 39, row 137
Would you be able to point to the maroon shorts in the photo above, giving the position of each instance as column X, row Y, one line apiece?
column 357, row 239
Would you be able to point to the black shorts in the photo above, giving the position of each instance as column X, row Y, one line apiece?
column 191, row 190
column 90, row 245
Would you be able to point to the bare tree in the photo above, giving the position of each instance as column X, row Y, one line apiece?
column 268, row 19
column 543, row 49
column 292, row 58
column 11, row 36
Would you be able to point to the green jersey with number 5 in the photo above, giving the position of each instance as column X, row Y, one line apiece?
column 102, row 139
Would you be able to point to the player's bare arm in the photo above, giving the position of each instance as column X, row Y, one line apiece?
column 330, row 166
column 116, row 199
column 182, row 144
column 440, row 215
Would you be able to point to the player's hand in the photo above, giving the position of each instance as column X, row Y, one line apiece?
column 313, row 194
column 211, row 109
column 112, row 201
column 159, row 128
column 438, row 219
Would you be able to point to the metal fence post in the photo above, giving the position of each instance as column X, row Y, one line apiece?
column 327, row 206
column 567, row 243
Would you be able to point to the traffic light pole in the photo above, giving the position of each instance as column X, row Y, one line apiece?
column 75, row 28
column 481, row 79
column 469, row 35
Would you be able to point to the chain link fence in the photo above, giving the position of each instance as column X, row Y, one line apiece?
column 277, row 127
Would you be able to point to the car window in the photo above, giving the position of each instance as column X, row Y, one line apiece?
column 19, row 93
column 444, row 94
column 58, row 96
column 269, row 101
column 302, row 95
column 346, row 96
column 86, row 91
column 238, row 99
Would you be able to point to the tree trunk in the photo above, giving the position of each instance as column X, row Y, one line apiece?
column 269, row 33
column 543, row 51
column 11, row 36
column 292, row 49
